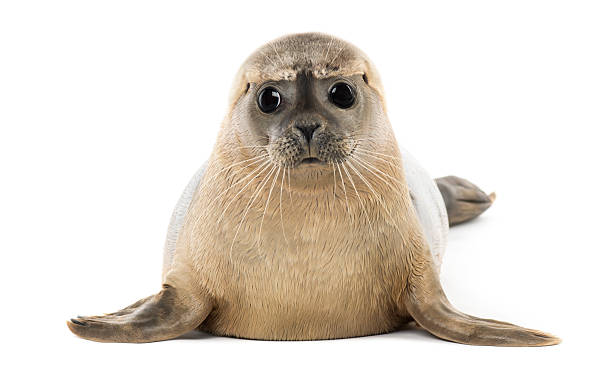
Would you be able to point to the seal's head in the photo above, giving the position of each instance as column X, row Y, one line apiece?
column 307, row 102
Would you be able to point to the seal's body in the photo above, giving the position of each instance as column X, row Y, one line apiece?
column 307, row 222
column 321, row 282
column 425, row 194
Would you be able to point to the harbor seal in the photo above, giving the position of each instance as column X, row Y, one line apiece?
column 308, row 221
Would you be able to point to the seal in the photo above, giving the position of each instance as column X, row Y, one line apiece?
column 308, row 221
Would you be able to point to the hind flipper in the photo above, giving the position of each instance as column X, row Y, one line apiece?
column 168, row 314
column 463, row 200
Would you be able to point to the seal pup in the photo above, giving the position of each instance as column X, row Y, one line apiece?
column 308, row 222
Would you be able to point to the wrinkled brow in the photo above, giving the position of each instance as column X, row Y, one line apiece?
column 256, row 75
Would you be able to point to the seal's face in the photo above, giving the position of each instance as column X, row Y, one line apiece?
column 309, row 106
column 309, row 122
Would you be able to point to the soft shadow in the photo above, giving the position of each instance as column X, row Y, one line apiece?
column 412, row 332
column 195, row 334
column 479, row 220
column 409, row 331
column 461, row 231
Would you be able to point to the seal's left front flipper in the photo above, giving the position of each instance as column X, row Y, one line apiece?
column 425, row 301
column 443, row 321
column 168, row 314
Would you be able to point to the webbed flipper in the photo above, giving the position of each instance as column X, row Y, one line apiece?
column 168, row 314
column 463, row 200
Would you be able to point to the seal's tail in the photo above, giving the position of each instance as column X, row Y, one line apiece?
column 463, row 200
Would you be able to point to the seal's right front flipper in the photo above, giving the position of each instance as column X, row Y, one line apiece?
column 168, row 314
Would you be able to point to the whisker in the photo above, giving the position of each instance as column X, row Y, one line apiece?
column 358, row 159
column 365, row 211
column 289, row 180
column 391, row 218
column 363, row 179
column 261, row 169
column 249, row 146
column 362, row 162
column 259, row 137
column 267, row 202
column 334, row 191
column 374, row 139
column 249, row 204
column 377, row 153
column 257, row 160
column 395, row 189
column 367, row 135
column 256, row 243
column 281, row 205
column 343, row 188
column 386, row 161
column 228, row 188
column 376, row 194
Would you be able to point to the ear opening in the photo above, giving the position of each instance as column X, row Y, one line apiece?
column 247, row 88
column 365, row 78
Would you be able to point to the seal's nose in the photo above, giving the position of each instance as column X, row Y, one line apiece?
column 308, row 130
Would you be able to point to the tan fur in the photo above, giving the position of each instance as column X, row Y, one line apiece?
column 271, row 251
column 336, row 265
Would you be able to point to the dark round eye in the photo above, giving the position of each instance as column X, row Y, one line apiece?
column 269, row 99
column 342, row 95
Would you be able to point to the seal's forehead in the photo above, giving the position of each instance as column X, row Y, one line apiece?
column 318, row 54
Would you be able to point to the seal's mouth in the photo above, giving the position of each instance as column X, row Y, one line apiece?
column 311, row 161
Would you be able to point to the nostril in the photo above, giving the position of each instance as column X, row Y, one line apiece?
column 308, row 130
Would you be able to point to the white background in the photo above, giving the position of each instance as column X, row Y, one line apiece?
column 107, row 108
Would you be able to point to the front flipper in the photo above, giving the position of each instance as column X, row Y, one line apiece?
column 424, row 300
column 168, row 314
column 446, row 322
